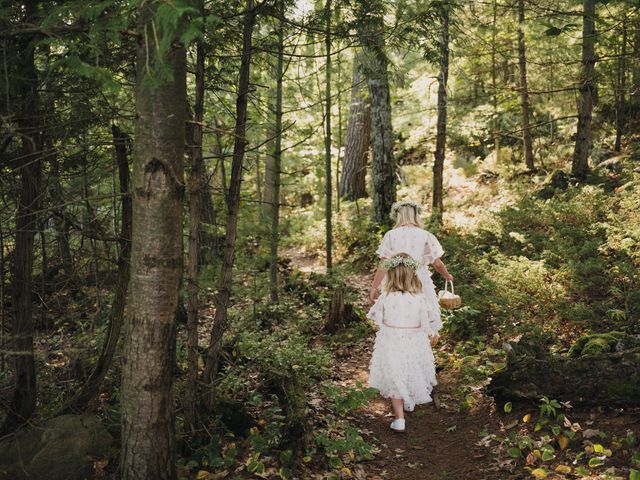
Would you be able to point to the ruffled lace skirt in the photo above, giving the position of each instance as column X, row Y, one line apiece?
column 402, row 365
column 429, row 291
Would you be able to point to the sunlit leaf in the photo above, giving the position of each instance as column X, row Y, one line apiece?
column 539, row 473
column 595, row 462
column 507, row 407
column 563, row 469
column 563, row 441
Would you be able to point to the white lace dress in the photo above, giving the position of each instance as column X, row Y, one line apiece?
column 425, row 249
column 402, row 364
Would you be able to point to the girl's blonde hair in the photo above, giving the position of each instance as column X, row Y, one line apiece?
column 402, row 278
column 408, row 215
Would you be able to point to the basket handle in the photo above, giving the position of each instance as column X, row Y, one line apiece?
column 446, row 284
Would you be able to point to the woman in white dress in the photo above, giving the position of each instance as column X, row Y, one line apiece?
column 408, row 236
column 408, row 314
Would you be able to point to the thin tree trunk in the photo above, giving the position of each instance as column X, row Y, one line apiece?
column 23, row 401
column 91, row 387
column 148, row 439
column 339, row 159
column 221, row 319
column 327, row 140
column 494, row 82
column 2, row 311
column 372, row 34
column 527, row 144
column 622, row 86
column 277, row 162
column 196, row 177
column 357, row 142
column 580, row 164
column 635, row 78
column 441, row 136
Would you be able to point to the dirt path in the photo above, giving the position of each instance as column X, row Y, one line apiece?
column 440, row 443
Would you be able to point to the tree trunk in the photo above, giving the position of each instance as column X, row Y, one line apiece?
column 148, row 443
column 621, row 106
column 588, row 86
column 23, row 401
column 196, row 186
column 221, row 319
column 277, row 163
column 357, row 142
column 527, row 144
column 327, row 139
column 372, row 32
column 441, row 136
column 635, row 78
column 91, row 387
column 494, row 82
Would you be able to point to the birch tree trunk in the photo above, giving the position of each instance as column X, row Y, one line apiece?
column 588, row 93
column 527, row 144
column 148, row 430
column 357, row 142
column 441, row 136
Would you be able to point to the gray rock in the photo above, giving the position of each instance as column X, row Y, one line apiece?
column 64, row 448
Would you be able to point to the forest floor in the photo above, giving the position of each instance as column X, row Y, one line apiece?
column 448, row 442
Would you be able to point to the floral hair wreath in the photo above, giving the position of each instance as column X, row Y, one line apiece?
column 404, row 203
column 396, row 261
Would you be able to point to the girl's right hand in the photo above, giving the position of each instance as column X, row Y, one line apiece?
column 373, row 294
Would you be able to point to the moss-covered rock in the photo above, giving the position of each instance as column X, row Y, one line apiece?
column 64, row 448
column 598, row 343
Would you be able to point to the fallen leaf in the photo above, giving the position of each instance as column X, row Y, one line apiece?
column 563, row 441
column 563, row 469
column 526, row 418
column 539, row 473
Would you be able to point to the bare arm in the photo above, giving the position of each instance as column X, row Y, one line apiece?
column 377, row 280
column 442, row 269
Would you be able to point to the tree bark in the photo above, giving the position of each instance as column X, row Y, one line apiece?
column 357, row 142
column 441, row 136
column 527, row 143
column 622, row 86
column 196, row 184
column 91, row 387
column 371, row 31
column 588, row 86
column 148, row 443
column 494, row 82
column 635, row 74
column 277, row 163
column 23, row 401
column 221, row 319
column 327, row 139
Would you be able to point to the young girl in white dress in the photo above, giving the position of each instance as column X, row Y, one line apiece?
column 408, row 314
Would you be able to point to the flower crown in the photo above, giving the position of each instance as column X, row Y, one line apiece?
column 396, row 261
column 404, row 203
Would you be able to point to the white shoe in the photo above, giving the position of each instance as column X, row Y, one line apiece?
column 408, row 409
column 398, row 425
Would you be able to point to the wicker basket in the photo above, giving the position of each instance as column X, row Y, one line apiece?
column 449, row 299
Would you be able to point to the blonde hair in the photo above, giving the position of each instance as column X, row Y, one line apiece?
column 402, row 278
column 408, row 215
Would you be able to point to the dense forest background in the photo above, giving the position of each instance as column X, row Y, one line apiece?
column 193, row 192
